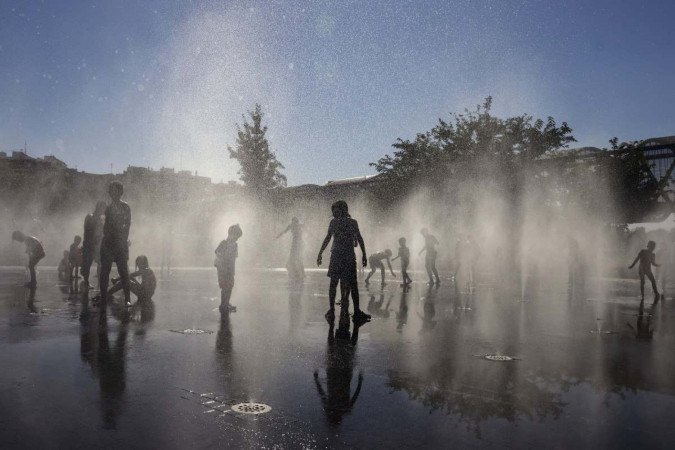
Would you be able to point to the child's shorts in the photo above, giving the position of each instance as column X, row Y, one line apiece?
column 225, row 279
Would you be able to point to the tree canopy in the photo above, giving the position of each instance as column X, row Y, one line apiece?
column 260, row 169
column 474, row 140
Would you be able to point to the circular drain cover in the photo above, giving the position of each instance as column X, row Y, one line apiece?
column 499, row 358
column 251, row 408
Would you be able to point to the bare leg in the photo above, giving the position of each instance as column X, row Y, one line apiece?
column 123, row 269
column 106, row 267
column 31, row 269
column 642, row 285
column 354, row 290
column 427, row 265
column 653, row 281
column 225, row 295
column 332, row 291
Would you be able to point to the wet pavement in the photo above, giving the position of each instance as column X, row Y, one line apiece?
column 587, row 371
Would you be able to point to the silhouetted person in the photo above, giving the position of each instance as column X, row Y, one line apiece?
column 337, row 399
column 376, row 263
column 430, row 243
column 63, row 268
column 647, row 259
column 226, row 255
column 91, row 243
column 145, row 289
column 115, row 243
column 295, row 266
column 75, row 257
column 35, row 253
column 342, row 268
column 404, row 254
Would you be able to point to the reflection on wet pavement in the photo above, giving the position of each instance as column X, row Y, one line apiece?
column 436, row 367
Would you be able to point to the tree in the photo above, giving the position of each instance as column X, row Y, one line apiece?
column 472, row 145
column 260, row 169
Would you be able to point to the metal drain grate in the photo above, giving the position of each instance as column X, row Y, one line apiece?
column 500, row 358
column 251, row 408
column 192, row 331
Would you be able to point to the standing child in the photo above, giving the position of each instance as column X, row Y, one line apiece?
column 430, row 243
column 375, row 261
column 115, row 243
column 342, row 268
column 226, row 255
column 35, row 253
column 75, row 257
column 404, row 254
column 647, row 259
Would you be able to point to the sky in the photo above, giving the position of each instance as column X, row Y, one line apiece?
column 159, row 83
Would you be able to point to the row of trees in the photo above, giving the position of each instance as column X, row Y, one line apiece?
column 477, row 151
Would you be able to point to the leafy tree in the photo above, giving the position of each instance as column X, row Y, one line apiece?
column 471, row 146
column 260, row 169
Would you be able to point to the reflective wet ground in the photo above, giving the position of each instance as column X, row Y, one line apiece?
column 588, row 369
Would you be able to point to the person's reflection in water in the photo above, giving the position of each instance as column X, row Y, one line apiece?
column 402, row 314
column 643, row 327
column 107, row 364
column 337, row 399
column 428, row 322
column 429, row 310
column 377, row 308
column 143, row 313
column 224, row 337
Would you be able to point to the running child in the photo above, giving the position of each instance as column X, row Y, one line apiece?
column 342, row 268
column 647, row 259
column 35, row 253
column 430, row 243
column 404, row 254
column 145, row 289
column 226, row 255
column 375, row 261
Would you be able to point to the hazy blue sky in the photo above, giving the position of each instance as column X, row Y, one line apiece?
column 160, row 83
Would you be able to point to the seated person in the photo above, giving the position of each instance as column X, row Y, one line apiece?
column 144, row 289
